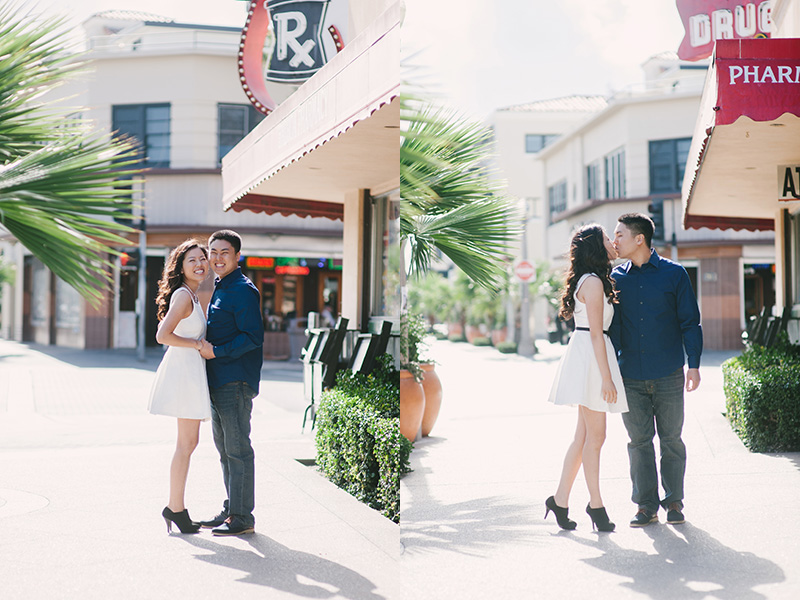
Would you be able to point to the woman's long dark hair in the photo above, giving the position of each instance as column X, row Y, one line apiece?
column 587, row 254
column 172, row 277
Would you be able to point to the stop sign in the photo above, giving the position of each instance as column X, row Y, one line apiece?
column 524, row 270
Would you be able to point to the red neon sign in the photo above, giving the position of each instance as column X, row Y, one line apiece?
column 257, row 262
column 707, row 21
column 292, row 270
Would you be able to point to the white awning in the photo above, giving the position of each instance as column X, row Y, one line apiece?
column 337, row 133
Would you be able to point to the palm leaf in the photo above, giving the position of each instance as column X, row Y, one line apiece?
column 61, row 187
column 450, row 204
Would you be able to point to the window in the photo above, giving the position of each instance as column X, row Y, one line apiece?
column 234, row 122
column 593, row 181
column 535, row 141
column 615, row 174
column 557, row 198
column 149, row 124
column 667, row 163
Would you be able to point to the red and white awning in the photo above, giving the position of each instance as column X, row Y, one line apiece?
column 749, row 124
column 337, row 133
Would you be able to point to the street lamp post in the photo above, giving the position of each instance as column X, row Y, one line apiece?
column 526, row 346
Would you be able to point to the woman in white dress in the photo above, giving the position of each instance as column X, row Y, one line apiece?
column 588, row 374
column 180, row 388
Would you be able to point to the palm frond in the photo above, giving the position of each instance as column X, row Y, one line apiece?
column 61, row 187
column 450, row 204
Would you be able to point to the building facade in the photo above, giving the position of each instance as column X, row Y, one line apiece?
column 630, row 157
column 520, row 133
column 174, row 87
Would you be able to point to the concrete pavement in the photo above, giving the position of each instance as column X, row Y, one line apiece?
column 472, row 509
column 84, row 476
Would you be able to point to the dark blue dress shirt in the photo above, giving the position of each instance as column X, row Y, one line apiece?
column 656, row 319
column 236, row 331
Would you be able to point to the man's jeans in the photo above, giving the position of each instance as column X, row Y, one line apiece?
column 231, row 406
column 656, row 405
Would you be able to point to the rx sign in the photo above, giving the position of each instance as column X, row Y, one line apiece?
column 299, row 50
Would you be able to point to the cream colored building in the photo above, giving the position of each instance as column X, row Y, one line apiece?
column 176, row 87
column 630, row 156
column 520, row 133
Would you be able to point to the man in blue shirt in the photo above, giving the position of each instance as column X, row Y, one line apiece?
column 233, row 349
column 655, row 321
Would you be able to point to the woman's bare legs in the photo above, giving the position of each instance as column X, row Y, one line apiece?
column 595, row 426
column 188, row 435
column 572, row 463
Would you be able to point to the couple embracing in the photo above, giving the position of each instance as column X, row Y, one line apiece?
column 632, row 325
column 211, row 370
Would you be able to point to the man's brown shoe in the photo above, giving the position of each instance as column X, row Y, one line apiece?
column 643, row 518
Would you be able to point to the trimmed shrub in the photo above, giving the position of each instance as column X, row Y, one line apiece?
column 457, row 337
column 762, row 396
column 359, row 445
column 481, row 341
column 507, row 347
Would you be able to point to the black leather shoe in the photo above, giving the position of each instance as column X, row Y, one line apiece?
column 214, row 521
column 675, row 514
column 233, row 529
column 181, row 519
column 599, row 518
column 562, row 514
column 643, row 518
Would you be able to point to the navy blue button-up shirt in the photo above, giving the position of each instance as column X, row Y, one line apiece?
column 656, row 319
column 236, row 331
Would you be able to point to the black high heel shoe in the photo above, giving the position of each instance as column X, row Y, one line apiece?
column 561, row 514
column 181, row 519
column 599, row 518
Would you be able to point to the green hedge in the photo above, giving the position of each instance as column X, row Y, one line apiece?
column 359, row 445
column 762, row 395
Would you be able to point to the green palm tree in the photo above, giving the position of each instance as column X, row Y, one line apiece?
column 61, row 186
column 449, row 204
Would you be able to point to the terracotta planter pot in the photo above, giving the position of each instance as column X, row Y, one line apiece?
column 412, row 405
column 473, row 331
column 499, row 335
column 455, row 329
column 433, row 398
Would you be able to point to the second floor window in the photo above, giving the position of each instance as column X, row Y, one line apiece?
column 593, row 181
column 667, row 163
column 150, row 125
column 615, row 174
column 235, row 121
column 536, row 141
column 557, row 198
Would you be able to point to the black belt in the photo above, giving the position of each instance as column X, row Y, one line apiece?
column 587, row 329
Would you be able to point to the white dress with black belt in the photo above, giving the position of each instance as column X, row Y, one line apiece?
column 578, row 379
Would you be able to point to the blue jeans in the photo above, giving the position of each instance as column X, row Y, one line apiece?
column 231, row 406
column 656, row 405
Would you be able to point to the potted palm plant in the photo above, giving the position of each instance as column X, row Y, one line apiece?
column 449, row 205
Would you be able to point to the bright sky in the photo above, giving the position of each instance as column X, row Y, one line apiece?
column 485, row 55
column 480, row 55
column 206, row 12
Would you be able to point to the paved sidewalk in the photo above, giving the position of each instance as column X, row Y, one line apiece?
column 84, row 476
column 472, row 509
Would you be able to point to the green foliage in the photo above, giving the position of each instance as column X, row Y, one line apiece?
column 507, row 347
column 762, row 394
column 359, row 445
column 60, row 185
column 449, row 203
column 457, row 337
column 481, row 341
column 412, row 332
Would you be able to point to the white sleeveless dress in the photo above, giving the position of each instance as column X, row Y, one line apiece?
column 181, row 387
column 578, row 379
